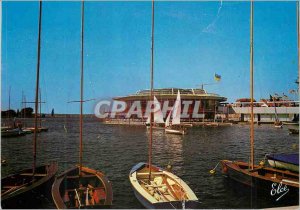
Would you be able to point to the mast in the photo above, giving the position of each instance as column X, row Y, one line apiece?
column 9, row 101
column 37, row 88
column 40, row 92
column 251, row 89
column 81, row 88
column 22, row 105
column 298, row 35
column 151, row 89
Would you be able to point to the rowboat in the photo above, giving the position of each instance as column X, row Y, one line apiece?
column 154, row 187
column 284, row 161
column 264, row 180
column 12, row 133
column 273, row 184
column 23, row 188
column 294, row 130
column 163, row 191
column 91, row 189
column 39, row 129
column 181, row 131
column 80, row 186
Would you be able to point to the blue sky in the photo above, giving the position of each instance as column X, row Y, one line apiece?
column 193, row 40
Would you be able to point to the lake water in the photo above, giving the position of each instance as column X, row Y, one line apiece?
column 115, row 149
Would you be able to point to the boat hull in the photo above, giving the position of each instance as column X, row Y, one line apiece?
column 173, row 131
column 67, row 182
column 30, row 195
column 284, row 161
column 144, row 198
column 12, row 133
column 263, row 185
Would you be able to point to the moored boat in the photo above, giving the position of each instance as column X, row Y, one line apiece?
column 12, row 133
column 23, row 188
column 180, row 131
column 91, row 189
column 275, row 185
column 284, row 161
column 293, row 131
column 80, row 186
column 154, row 187
column 264, row 181
column 164, row 190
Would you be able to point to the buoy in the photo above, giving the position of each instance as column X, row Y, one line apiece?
column 169, row 167
column 262, row 163
column 212, row 171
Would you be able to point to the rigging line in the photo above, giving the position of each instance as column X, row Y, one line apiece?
column 93, row 99
column 81, row 87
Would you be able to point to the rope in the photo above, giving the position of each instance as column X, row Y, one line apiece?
column 78, row 198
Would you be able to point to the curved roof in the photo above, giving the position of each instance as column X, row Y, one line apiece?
column 171, row 93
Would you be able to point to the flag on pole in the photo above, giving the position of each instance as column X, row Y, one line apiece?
column 217, row 77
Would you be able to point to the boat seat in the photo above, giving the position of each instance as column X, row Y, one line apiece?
column 147, row 173
column 8, row 187
column 30, row 174
column 77, row 176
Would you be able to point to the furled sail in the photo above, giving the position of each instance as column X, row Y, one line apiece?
column 158, row 115
column 176, row 110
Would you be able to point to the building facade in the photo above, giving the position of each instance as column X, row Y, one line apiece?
column 192, row 100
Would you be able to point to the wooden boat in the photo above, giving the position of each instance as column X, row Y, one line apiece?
column 294, row 130
column 23, row 188
column 181, row 131
column 82, row 187
column 27, row 131
column 290, row 123
column 278, row 124
column 212, row 124
column 154, row 187
column 284, row 161
column 92, row 184
column 273, row 184
column 264, row 179
column 3, row 162
column 12, row 133
column 39, row 129
column 163, row 191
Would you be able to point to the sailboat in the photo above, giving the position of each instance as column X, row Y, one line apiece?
column 153, row 186
column 80, row 186
column 269, row 181
column 158, row 116
column 174, row 127
column 277, row 123
column 22, row 189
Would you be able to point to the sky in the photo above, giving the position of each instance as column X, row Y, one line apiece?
column 193, row 41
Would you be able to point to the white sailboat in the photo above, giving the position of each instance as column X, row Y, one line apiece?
column 157, row 115
column 153, row 186
column 174, row 127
